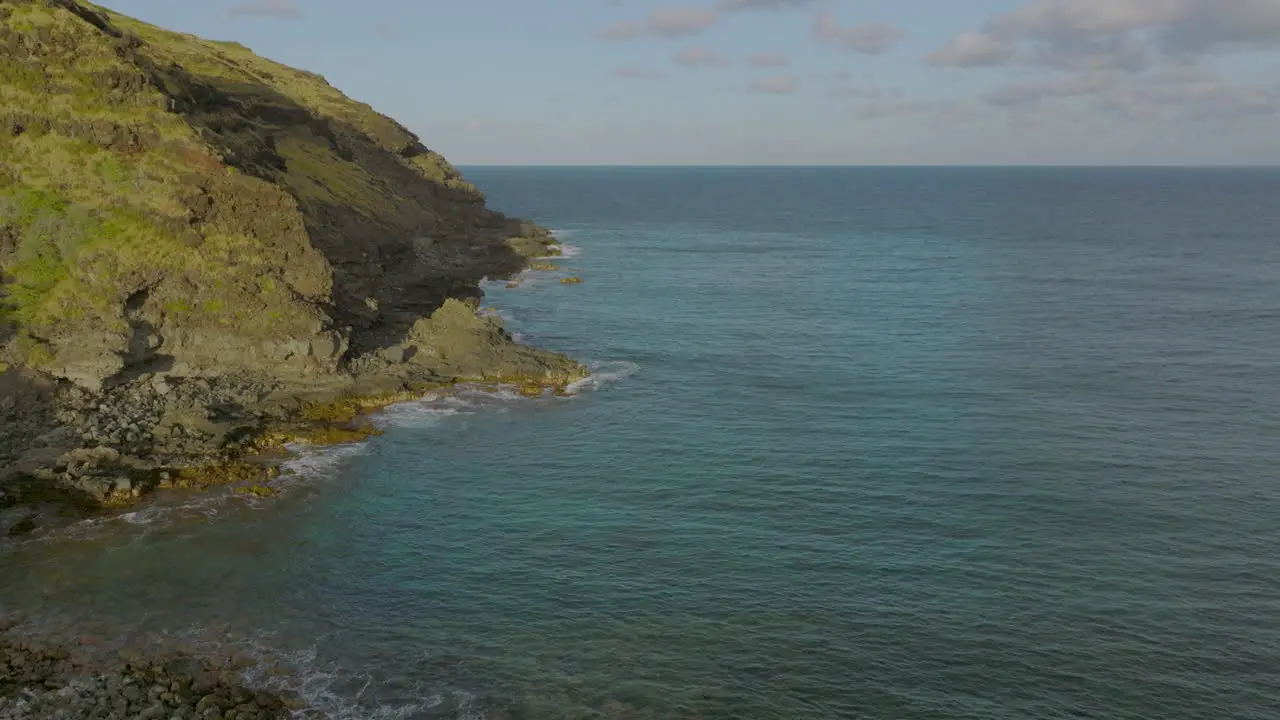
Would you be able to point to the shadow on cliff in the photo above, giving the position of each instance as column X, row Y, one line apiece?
column 26, row 414
column 400, row 250
column 7, row 329
column 140, row 357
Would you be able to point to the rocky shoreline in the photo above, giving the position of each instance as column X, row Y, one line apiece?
column 73, row 453
column 73, row 680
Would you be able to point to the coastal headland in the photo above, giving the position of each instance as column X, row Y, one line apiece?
column 206, row 255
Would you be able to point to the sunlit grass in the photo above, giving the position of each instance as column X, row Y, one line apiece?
column 116, row 175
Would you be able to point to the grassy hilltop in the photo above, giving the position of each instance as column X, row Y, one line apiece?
column 174, row 203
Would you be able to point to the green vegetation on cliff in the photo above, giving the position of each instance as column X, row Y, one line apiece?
column 166, row 199
column 95, row 197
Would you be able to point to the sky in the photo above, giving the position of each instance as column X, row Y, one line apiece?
column 789, row 82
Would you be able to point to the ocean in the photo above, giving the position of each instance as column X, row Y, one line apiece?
column 952, row 443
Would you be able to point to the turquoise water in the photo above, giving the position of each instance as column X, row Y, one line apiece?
column 945, row 443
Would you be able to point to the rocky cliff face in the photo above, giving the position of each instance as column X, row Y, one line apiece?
column 188, row 228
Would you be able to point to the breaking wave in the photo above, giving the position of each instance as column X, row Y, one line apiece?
column 603, row 373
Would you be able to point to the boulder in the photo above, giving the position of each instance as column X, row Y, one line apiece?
column 456, row 342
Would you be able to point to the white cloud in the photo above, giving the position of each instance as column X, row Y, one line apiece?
column 1040, row 91
column 1134, row 59
column 680, row 21
column 1225, row 25
column 972, row 50
column 699, row 56
column 775, row 85
column 663, row 22
column 869, row 38
column 1049, row 18
column 1169, row 94
column 1122, row 34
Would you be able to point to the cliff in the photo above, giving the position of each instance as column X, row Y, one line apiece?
column 196, row 242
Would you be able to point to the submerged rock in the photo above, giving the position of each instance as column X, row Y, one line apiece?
column 23, row 527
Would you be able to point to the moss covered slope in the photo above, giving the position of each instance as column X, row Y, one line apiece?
column 172, row 204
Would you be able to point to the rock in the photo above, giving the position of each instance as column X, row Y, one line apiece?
column 62, row 438
column 258, row 491
column 533, row 242
column 397, row 354
column 456, row 342
column 25, row 526
column 328, row 347
column 89, row 457
column 36, row 459
column 87, row 359
column 161, row 385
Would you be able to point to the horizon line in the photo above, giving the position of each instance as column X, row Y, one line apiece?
column 1024, row 166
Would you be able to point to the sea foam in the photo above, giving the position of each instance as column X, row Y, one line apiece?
column 603, row 373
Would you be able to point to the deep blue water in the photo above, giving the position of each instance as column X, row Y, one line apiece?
column 882, row 443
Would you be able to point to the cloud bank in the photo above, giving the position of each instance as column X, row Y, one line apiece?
column 1145, row 60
